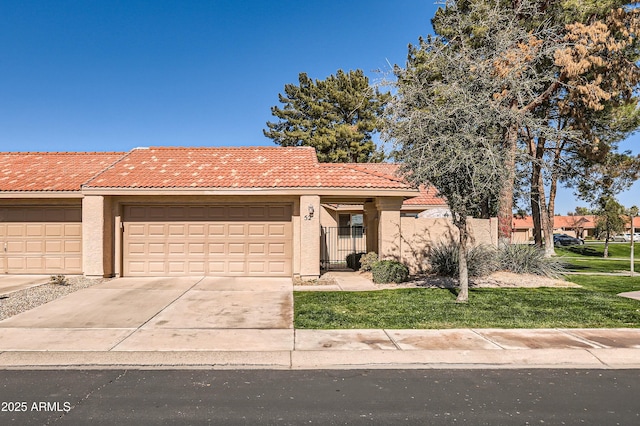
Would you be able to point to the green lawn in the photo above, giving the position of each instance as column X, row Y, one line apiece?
column 593, row 306
column 588, row 257
column 621, row 250
column 598, row 265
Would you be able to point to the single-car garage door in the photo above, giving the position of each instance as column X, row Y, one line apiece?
column 224, row 240
column 41, row 240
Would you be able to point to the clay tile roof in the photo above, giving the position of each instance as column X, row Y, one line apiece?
column 428, row 194
column 51, row 171
column 587, row 221
column 247, row 167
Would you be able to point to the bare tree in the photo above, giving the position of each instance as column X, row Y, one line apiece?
column 448, row 126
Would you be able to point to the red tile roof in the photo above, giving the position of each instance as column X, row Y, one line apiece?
column 51, row 171
column 587, row 221
column 428, row 194
column 249, row 167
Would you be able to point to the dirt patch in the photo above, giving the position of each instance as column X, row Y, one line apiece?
column 496, row 280
column 323, row 280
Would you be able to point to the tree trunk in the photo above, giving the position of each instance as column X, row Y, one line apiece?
column 547, row 221
column 505, row 202
column 463, row 295
column 606, row 243
column 553, row 189
column 536, row 211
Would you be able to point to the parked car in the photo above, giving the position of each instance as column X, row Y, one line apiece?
column 566, row 240
column 626, row 237
column 622, row 238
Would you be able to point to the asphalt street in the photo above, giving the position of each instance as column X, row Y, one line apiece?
column 476, row 397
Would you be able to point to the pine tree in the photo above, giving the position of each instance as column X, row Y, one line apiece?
column 337, row 116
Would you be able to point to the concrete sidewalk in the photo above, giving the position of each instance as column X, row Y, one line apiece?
column 330, row 349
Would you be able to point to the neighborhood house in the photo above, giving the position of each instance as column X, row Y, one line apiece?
column 250, row 211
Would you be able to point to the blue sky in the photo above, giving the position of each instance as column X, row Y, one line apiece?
column 112, row 75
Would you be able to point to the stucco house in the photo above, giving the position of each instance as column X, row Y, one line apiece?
column 583, row 226
column 193, row 211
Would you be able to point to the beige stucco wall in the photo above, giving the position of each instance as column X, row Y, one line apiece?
column 420, row 234
column 328, row 217
column 309, row 237
column 93, row 236
column 389, row 227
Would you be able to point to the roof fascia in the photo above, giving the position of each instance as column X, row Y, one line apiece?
column 40, row 194
column 349, row 192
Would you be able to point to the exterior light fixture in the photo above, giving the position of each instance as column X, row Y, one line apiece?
column 310, row 212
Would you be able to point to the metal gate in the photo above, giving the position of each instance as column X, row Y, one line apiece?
column 337, row 243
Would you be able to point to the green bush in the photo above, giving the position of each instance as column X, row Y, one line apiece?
column 353, row 261
column 528, row 259
column 367, row 261
column 444, row 260
column 389, row 271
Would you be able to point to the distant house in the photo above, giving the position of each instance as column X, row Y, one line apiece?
column 575, row 226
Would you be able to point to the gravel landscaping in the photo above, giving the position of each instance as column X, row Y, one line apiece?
column 23, row 300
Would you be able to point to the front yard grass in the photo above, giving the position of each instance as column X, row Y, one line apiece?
column 596, row 305
column 588, row 258
column 591, row 250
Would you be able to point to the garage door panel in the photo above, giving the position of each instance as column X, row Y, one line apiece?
column 196, row 230
column 257, row 249
column 73, row 246
column 236, row 267
column 236, row 212
column 216, row 248
column 217, row 230
column 256, row 267
column 276, row 249
column 17, row 230
column 236, row 230
column 155, row 230
column 275, row 267
column 54, row 263
column 53, row 246
column 209, row 240
column 38, row 230
column 196, row 249
column 73, row 263
column 53, row 230
column 236, row 249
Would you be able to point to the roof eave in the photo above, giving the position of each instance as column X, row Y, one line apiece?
column 41, row 194
column 389, row 192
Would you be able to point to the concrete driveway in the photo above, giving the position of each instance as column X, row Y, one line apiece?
column 160, row 314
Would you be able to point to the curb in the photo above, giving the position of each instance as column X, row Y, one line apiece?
column 338, row 359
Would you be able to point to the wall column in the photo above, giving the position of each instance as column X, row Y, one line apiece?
column 371, row 225
column 93, row 236
column 389, row 241
column 309, row 237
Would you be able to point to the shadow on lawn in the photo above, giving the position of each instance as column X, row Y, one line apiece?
column 583, row 250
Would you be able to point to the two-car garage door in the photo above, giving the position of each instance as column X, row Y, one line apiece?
column 225, row 240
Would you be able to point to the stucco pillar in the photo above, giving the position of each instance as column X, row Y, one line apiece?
column 93, row 237
column 371, row 226
column 309, row 237
column 389, row 241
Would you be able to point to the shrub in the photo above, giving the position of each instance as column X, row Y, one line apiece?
column 367, row 261
column 444, row 260
column 353, row 261
column 528, row 259
column 389, row 271
column 58, row 279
